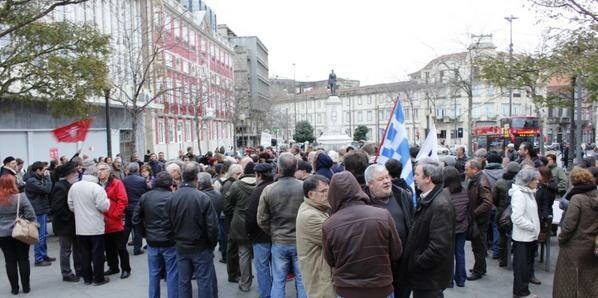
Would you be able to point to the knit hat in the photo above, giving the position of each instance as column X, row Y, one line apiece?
column 513, row 167
column 8, row 159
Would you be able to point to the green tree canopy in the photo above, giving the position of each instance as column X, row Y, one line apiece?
column 360, row 133
column 59, row 63
column 303, row 132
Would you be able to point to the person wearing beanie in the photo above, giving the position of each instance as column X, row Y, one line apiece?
column 63, row 223
column 9, row 166
column 501, row 199
column 235, row 206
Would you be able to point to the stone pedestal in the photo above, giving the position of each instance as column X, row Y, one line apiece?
column 333, row 136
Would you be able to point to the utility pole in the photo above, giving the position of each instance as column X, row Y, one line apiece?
column 579, row 99
column 295, row 94
column 510, row 19
column 108, row 131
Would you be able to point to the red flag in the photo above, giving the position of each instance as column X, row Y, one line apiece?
column 74, row 132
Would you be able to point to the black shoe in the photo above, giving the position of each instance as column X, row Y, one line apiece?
column 502, row 264
column 26, row 290
column 102, row 282
column 111, row 271
column 474, row 276
column 125, row 274
column 71, row 278
column 87, row 283
column 49, row 259
column 234, row 279
column 136, row 253
column 15, row 291
column 535, row 281
column 42, row 263
column 460, row 285
column 471, row 271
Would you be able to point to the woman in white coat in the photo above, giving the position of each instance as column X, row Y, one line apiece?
column 526, row 227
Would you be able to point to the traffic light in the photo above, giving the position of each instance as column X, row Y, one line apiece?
column 459, row 132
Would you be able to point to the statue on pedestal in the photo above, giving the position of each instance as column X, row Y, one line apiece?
column 332, row 83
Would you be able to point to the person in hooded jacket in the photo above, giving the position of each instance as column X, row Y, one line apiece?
column 323, row 164
column 493, row 172
column 260, row 240
column 235, row 206
column 358, row 272
column 577, row 267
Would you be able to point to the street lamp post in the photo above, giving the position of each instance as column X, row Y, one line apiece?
column 108, row 132
column 510, row 19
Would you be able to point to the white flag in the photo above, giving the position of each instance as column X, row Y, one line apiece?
column 430, row 146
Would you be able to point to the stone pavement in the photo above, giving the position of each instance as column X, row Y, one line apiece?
column 46, row 282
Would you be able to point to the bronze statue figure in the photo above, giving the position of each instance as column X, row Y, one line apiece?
column 332, row 83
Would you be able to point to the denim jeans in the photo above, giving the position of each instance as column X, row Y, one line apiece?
column 157, row 259
column 460, row 275
column 495, row 234
column 283, row 257
column 41, row 249
column 200, row 262
column 262, row 258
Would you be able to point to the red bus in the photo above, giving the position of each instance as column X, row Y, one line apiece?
column 516, row 130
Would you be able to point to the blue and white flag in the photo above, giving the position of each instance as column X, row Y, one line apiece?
column 395, row 145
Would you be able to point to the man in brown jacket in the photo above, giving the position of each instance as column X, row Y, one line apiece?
column 480, row 204
column 354, row 226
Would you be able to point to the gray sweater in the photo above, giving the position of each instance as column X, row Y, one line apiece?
column 8, row 214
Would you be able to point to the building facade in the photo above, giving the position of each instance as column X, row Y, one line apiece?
column 252, row 86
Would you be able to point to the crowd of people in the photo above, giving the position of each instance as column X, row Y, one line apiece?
column 336, row 222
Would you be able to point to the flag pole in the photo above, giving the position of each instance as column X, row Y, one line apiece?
column 386, row 129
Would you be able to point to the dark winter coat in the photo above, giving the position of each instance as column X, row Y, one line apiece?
column 63, row 223
column 135, row 186
column 431, row 243
column 324, row 165
column 193, row 219
column 359, row 272
column 480, row 198
column 576, row 266
column 254, row 232
column 500, row 192
column 151, row 218
column 37, row 190
column 545, row 196
column 460, row 202
column 235, row 206
column 216, row 198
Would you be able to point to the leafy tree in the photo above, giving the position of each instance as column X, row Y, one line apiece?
column 59, row 63
column 360, row 133
column 304, row 132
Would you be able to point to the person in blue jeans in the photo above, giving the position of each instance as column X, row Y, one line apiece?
column 37, row 189
column 276, row 215
column 460, row 200
column 151, row 219
column 194, row 221
column 262, row 255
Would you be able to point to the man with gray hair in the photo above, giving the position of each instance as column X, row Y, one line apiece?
column 277, row 215
column 88, row 201
column 136, row 187
column 428, row 254
column 174, row 169
column 397, row 201
column 204, row 180
column 195, row 225
column 480, row 204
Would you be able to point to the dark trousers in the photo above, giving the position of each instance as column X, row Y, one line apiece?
column 116, row 248
column 137, row 238
column 16, row 257
column 428, row 293
column 479, row 247
column 200, row 263
column 91, row 249
column 232, row 254
column 69, row 247
column 523, row 260
column 222, row 237
column 502, row 247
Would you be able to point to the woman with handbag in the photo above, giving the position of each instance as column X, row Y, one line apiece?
column 526, row 227
column 16, row 253
column 577, row 266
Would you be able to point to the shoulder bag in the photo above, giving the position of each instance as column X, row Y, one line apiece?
column 25, row 230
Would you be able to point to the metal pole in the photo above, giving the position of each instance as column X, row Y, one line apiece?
column 510, row 20
column 108, row 132
column 578, row 123
column 295, row 93
column 377, row 124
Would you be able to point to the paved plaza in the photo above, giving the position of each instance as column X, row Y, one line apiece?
column 46, row 282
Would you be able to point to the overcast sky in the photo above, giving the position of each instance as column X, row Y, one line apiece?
column 374, row 41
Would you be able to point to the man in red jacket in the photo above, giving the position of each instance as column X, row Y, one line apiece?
column 115, row 229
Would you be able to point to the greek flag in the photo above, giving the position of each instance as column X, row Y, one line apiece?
column 395, row 145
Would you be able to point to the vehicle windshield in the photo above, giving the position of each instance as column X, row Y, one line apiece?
column 524, row 123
